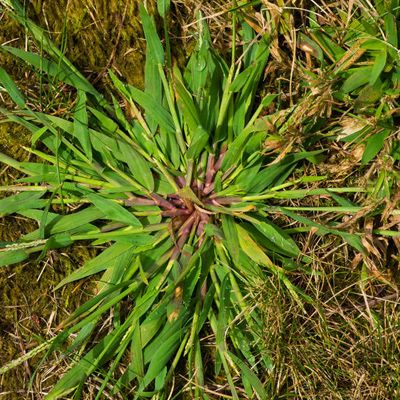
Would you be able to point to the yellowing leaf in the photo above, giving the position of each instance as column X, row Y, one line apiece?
column 253, row 250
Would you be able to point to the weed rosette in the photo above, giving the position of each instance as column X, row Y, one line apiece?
column 179, row 188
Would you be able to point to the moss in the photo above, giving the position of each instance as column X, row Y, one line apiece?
column 97, row 35
column 12, row 137
column 28, row 303
column 10, row 32
column 26, row 298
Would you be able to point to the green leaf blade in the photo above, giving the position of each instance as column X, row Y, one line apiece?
column 11, row 88
column 113, row 210
column 150, row 32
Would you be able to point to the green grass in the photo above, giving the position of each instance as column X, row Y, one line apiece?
column 246, row 238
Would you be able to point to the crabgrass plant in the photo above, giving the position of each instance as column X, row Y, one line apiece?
column 178, row 190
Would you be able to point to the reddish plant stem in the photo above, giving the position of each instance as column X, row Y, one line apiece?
column 221, row 157
column 204, row 219
column 208, row 188
column 212, row 168
column 177, row 203
column 176, row 200
column 177, row 222
column 181, row 181
column 187, row 225
column 210, row 172
column 217, row 201
column 188, row 205
column 161, row 202
column 177, row 212
column 195, row 188
column 183, row 233
column 203, row 290
column 196, row 222
column 139, row 201
column 200, row 187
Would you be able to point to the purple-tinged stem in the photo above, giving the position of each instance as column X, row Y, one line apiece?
column 139, row 201
column 184, row 234
column 221, row 157
column 203, row 290
column 210, row 170
column 222, row 200
column 204, row 218
column 161, row 202
column 195, row 225
column 177, row 212
column 201, row 240
column 187, row 225
column 177, row 203
column 176, row 200
column 181, row 181
column 208, row 188
column 196, row 189
column 200, row 186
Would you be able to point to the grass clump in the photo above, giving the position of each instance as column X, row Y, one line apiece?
column 186, row 188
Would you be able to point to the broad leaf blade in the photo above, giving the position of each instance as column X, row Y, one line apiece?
column 81, row 128
column 11, row 88
column 107, row 259
column 8, row 257
column 113, row 210
column 152, row 39
column 277, row 236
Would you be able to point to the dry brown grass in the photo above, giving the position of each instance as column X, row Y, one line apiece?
column 345, row 345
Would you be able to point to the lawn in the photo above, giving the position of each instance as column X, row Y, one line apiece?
column 199, row 201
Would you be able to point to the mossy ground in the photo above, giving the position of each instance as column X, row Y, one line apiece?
column 96, row 36
column 29, row 306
